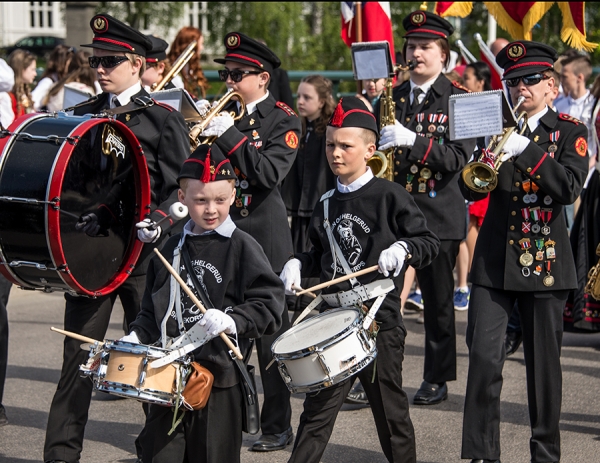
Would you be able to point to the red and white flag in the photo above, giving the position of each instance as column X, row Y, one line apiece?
column 376, row 23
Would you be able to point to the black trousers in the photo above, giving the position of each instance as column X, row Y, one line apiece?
column 276, row 412
column 5, row 287
column 382, row 380
column 210, row 435
column 69, row 410
column 437, row 287
column 542, row 326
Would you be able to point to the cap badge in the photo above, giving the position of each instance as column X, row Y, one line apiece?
column 100, row 24
column 233, row 41
column 417, row 18
column 516, row 51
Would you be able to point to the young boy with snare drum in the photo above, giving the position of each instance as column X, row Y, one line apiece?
column 245, row 300
column 372, row 221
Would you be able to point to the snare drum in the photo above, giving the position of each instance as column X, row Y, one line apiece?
column 53, row 169
column 324, row 350
column 123, row 369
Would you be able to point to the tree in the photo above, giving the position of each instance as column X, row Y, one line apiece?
column 143, row 15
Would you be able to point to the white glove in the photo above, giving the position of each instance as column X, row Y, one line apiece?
column 132, row 338
column 146, row 234
column 514, row 146
column 203, row 106
column 217, row 322
column 392, row 258
column 396, row 135
column 89, row 224
column 290, row 275
column 219, row 125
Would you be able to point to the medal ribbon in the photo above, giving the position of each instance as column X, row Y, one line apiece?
column 534, row 187
column 442, row 118
column 247, row 200
column 527, row 186
column 432, row 118
column 535, row 214
column 554, row 136
column 420, row 117
column 431, row 183
column 525, row 244
column 546, row 215
column 525, row 213
column 540, row 244
column 548, row 262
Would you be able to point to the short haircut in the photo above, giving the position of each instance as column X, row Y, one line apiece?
column 368, row 136
column 553, row 73
column 183, row 183
column 441, row 42
column 132, row 57
column 581, row 65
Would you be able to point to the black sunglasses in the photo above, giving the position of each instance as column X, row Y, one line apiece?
column 107, row 62
column 527, row 80
column 236, row 75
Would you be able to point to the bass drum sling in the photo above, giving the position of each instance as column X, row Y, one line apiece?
column 55, row 168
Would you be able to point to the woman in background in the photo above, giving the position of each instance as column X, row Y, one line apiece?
column 18, row 101
column 80, row 77
column 191, row 77
column 56, row 69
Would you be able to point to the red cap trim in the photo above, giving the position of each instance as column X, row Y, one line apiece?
column 533, row 63
column 114, row 42
column 235, row 55
column 151, row 60
column 429, row 31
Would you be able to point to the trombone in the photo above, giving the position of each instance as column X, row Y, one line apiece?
column 178, row 65
column 481, row 176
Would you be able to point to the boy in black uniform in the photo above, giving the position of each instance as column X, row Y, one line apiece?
column 119, row 53
column 523, row 254
column 262, row 147
column 428, row 165
column 247, row 298
column 373, row 221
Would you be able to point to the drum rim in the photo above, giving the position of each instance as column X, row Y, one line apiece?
column 325, row 342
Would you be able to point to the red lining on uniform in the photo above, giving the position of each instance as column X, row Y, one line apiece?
column 114, row 42
column 237, row 146
column 235, row 55
column 164, row 105
column 428, row 150
column 538, row 164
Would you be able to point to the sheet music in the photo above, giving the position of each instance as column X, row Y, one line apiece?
column 180, row 100
column 474, row 115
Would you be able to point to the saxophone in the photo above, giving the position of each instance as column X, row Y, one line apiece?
column 592, row 286
column 382, row 162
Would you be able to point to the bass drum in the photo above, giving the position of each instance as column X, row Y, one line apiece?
column 54, row 168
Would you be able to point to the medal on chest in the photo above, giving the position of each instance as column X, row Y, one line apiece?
column 525, row 259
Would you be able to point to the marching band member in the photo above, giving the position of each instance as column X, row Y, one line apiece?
column 523, row 255
column 157, row 64
column 119, row 57
column 373, row 221
column 261, row 147
column 246, row 299
column 428, row 165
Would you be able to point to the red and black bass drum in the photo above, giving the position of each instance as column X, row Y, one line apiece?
column 53, row 169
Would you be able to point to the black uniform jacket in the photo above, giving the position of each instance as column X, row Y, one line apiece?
column 445, row 211
column 262, row 147
column 163, row 134
column 559, row 177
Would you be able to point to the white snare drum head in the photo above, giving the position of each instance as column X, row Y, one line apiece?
column 315, row 330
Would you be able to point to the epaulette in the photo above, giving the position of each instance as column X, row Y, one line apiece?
column 461, row 86
column 164, row 105
column 568, row 117
column 286, row 108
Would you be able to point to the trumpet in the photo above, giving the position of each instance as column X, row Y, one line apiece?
column 198, row 128
column 592, row 286
column 482, row 176
column 178, row 65
column 381, row 163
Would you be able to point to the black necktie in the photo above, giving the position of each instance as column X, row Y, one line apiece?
column 526, row 132
column 416, row 93
column 116, row 103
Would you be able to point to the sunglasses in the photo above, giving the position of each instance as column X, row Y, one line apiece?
column 107, row 62
column 236, row 75
column 527, row 80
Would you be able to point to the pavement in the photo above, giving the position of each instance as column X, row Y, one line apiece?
column 35, row 358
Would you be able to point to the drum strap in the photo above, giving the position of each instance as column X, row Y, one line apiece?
column 137, row 104
column 336, row 252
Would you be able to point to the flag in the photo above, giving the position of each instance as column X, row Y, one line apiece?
column 573, row 30
column 376, row 23
column 459, row 9
column 486, row 55
column 518, row 18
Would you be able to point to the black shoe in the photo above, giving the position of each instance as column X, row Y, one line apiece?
column 485, row 461
column 3, row 419
column 357, row 395
column 270, row 442
column 512, row 341
column 430, row 394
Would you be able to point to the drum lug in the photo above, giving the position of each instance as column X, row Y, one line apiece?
column 364, row 339
column 284, row 373
column 37, row 265
column 323, row 364
column 142, row 377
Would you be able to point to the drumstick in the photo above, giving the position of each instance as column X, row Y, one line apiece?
column 77, row 336
column 339, row 280
column 297, row 288
column 195, row 300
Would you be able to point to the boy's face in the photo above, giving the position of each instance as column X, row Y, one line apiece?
column 347, row 152
column 535, row 95
column 428, row 57
column 252, row 86
column 119, row 78
column 208, row 203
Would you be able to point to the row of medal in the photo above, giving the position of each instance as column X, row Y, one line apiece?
column 432, row 128
column 424, row 180
column 242, row 200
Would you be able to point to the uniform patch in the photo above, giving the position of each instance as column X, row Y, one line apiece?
column 417, row 18
column 568, row 117
column 581, row 146
column 291, row 139
column 516, row 51
column 100, row 25
column 459, row 85
column 286, row 108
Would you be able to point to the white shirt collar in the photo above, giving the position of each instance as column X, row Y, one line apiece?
column 125, row 96
column 534, row 120
column 356, row 184
column 425, row 87
column 225, row 229
column 580, row 100
column 251, row 107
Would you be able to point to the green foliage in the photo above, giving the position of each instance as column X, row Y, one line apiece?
column 143, row 15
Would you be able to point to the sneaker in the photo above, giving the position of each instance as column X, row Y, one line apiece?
column 414, row 301
column 461, row 299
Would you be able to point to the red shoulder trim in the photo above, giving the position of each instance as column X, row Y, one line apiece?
column 568, row 117
column 459, row 85
column 286, row 108
column 164, row 105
